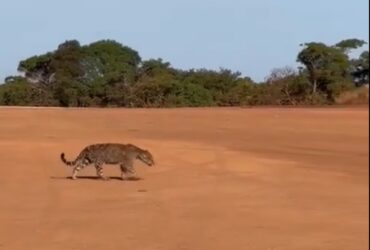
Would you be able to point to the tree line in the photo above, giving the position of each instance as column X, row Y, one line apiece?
column 108, row 74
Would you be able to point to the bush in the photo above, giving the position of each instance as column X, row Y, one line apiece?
column 336, row 88
column 15, row 94
column 319, row 98
column 188, row 94
column 106, row 73
column 356, row 96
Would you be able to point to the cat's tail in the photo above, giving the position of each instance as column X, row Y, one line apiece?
column 65, row 161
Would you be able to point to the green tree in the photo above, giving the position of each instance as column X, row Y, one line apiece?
column 349, row 44
column 329, row 67
column 324, row 64
column 218, row 83
column 80, row 75
column 15, row 93
column 188, row 95
column 360, row 68
column 111, row 61
column 107, row 73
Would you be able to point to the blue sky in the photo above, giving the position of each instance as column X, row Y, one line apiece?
column 251, row 36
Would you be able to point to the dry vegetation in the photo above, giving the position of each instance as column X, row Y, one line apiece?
column 356, row 96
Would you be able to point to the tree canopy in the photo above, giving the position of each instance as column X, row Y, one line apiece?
column 107, row 73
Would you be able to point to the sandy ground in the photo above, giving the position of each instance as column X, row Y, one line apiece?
column 268, row 179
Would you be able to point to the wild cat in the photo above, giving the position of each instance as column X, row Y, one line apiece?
column 109, row 153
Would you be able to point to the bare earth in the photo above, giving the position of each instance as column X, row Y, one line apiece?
column 265, row 178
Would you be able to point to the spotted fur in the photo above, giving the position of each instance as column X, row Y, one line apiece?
column 109, row 153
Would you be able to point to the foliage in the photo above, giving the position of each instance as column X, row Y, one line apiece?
column 324, row 64
column 349, row 44
column 355, row 96
column 360, row 68
column 106, row 73
column 329, row 68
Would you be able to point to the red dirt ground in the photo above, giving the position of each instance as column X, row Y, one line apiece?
column 254, row 179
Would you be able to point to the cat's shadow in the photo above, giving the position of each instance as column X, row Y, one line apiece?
column 96, row 178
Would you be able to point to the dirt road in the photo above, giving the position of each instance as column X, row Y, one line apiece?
column 253, row 179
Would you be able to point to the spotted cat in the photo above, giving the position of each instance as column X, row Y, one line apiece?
column 109, row 153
